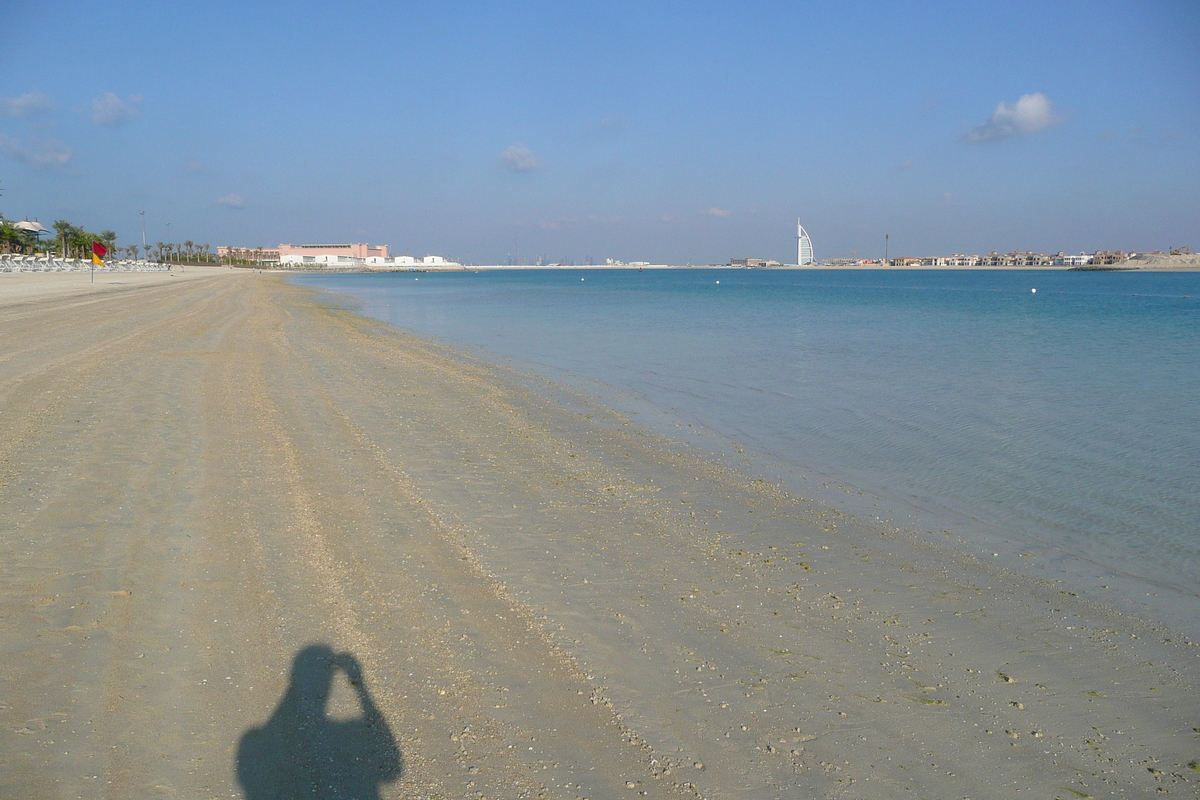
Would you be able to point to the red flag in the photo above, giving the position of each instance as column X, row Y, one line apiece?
column 99, row 249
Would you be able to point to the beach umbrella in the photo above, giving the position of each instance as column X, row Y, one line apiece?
column 35, row 228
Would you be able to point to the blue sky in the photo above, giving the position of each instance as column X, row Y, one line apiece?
column 677, row 132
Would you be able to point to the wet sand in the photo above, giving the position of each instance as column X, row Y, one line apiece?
column 523, row 593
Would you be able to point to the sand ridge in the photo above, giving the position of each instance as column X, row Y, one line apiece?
column 546, row 600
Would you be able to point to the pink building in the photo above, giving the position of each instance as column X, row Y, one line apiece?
column 350, row 250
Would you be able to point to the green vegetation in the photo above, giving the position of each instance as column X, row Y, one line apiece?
column 73, row 241
column 13, row 240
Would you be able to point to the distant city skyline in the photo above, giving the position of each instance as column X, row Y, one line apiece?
column 672, row 133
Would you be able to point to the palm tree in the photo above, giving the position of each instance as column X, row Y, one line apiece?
column 80, row 241
column 188, row 245
column 11, row 236
column 160, row 247
column 63, row 229
column 8, row 235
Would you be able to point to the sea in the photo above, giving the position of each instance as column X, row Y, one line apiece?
column 1048, row 419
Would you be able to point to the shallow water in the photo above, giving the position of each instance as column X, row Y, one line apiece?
column 1066, row 418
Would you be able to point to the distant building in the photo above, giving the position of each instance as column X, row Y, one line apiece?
column 1062, row 259
column 362, row 251
column 804, row 247
column 956, row 260
column 374, row 262
column 327, row 254
column 1108, row 257
column 753, row 263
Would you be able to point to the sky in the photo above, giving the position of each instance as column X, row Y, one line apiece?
column 665, row 132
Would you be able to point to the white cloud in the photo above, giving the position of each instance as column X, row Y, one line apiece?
column 44, row 153
column 108, row 109
column 519, row 159
column 1030, row 114
column 716, row 212
column 231, row 201
column 27, row 105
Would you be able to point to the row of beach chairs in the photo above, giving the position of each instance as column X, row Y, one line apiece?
column 18, row 263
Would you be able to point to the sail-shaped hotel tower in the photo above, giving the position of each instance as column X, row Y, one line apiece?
column 804, row 251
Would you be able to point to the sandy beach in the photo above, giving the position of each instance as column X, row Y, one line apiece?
column 24, row 287
column 519, row 592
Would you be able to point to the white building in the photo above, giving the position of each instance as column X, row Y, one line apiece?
column 804, row 248
column 324, row 260
column 1081, row 260
column 376, row 262
column 412, row 261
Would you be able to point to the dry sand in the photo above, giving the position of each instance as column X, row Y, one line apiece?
column 1185, row 262
column 24, row 287
column 199, row 478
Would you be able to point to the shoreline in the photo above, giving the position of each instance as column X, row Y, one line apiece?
column 657, row 267
column 545, row 597
column 1167, row 598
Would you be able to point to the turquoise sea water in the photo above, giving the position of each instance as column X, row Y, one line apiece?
column 1066, row 418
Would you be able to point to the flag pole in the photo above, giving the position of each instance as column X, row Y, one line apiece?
column 99, row 251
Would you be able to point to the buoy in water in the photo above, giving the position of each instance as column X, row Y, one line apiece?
column 1033, row 290
column 718, row 283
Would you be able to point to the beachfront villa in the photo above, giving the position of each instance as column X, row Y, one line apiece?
column 994, row 259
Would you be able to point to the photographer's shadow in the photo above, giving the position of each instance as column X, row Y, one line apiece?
column 302, row 753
